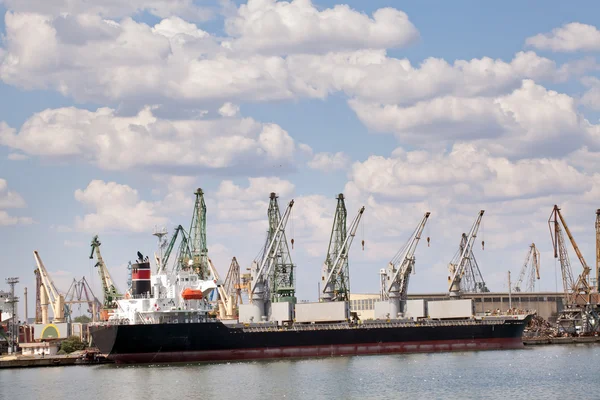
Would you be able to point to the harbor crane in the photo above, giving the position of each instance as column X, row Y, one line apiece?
column 394, row 279
column 281, row 279
column 577, row 292
column 79, row 293
column 197, row 238
column 183, row 249
column 49, row 295
column 109, row 289
column 262, row 270
column 472, row 281
column 459, row 263
column 229, row 291
column 579, row 315
column 335, row 275
column 233, row 283
column 531, row 264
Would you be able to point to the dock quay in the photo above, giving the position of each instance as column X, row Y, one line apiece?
column 560, row 340
column 20, row 361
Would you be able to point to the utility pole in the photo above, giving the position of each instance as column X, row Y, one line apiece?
column 26, row 314
column 509, row 293
column 13, row 330
column 598, row 250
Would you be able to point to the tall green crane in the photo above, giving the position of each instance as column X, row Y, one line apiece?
column 198, row 247
column 281, row 279
column 109, row 289
column 341, row 281
column 183, row 255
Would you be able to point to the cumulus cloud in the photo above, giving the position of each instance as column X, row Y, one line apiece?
column 95, row 59
column 591, row 98
column 530, row 120
column 329, row 162
column 111, row 8
column 144, row 140
column 370, row 75
column 11, row 199
column 270, row 26
column 229, row 110
column 250, row 203
column 115, row 207
column 465, row 174
column 570, row 37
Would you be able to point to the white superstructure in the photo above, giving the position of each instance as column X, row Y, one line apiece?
column 177, row 297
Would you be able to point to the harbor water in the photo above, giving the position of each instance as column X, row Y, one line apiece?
column 545, row 372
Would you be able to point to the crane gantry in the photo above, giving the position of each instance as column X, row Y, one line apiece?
column 109, row 289
column 80, row 292
column 335, row 275
column 531, row 264
column 262, row 270
column 458, row 265
column 395, row 278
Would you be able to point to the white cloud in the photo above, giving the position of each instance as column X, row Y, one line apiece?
column 115, row 207
column 466, row 174
column 229, row 110
column 8, row 198
column 95, row 59
column 329, row 162
column 570, row 37
column 370, row 75
column 236, row 203
column 111, row 8
column 530, row 120
column 17, row 157
column 144, row 140
column 11, row 199
column 591, row 98
column 269, row 26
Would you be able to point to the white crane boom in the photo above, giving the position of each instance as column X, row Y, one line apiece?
column 267, row 261
column 533, row 255
column 457, row 270
column 402, row 264
column 225, row 301
column 343, row 254
column 56, row 299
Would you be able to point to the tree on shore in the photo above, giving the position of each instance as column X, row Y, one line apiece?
column 71, row 344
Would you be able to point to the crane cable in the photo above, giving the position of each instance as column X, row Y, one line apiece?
column 482, row 235
column 292, row 222
column 363, row 234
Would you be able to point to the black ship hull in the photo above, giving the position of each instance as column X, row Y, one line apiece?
column 214, row 341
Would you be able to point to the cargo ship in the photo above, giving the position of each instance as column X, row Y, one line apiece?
column 215, row 341
column 167, row 318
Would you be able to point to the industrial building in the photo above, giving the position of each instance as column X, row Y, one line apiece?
column 546, row 304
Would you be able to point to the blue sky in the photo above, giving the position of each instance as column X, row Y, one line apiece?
column 285, row 95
